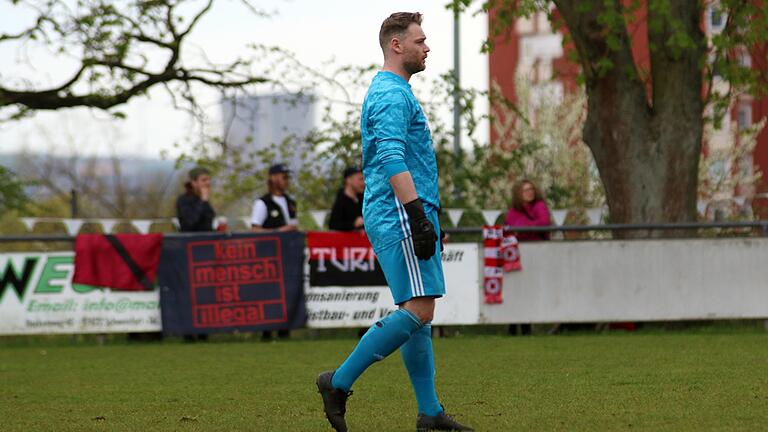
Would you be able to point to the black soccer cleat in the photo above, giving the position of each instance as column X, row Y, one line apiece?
column 334, row 401
column 440, row 422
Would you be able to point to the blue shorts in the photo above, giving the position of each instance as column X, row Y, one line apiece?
column 408, row 276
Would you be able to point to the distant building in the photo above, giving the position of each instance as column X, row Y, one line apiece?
column 533, row 49
column 257, row 122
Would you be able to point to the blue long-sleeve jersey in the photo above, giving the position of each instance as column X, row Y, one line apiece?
column 394, row 132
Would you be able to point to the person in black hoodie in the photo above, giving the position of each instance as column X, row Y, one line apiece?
column 192, row 208
column 347, row 211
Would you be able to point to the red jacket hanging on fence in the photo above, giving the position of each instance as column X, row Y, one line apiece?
column 99, row 263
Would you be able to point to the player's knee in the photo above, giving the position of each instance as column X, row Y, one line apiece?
column 425, row 315
column 422, row 307
column 427, row 318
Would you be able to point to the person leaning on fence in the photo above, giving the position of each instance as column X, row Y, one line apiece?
column 347, row 211
column 528, row 209
column 195, row 213
column 275, row 211
column 193, row 209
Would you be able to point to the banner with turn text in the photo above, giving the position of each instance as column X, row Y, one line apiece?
column 226, row 283
column 346, row 287
column 342, row 259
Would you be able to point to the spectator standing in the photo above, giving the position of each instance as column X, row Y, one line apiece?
column 275, row 211
column 195, row 213
column 347, row 211
column 528, row 209
column 193, row 209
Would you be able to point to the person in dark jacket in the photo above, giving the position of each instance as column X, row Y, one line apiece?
column 347, row 211
column 195, row 213
column 193, row 210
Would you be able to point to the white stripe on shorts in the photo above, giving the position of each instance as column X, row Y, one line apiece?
column 418, row 268
column 409, row 267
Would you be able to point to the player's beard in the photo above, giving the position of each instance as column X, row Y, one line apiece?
column 414, row 66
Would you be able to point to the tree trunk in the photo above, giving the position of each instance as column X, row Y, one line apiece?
column 646, row 147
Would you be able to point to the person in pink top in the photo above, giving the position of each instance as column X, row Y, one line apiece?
column 528, row 209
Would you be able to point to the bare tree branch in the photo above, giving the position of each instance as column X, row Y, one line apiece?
column 115, row 39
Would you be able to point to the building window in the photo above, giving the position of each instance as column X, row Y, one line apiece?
column 716, row 19
column 744, row 116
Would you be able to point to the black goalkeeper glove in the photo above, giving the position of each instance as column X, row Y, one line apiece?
column 422, row 230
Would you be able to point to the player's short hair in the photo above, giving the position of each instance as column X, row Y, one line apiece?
column 396, row 25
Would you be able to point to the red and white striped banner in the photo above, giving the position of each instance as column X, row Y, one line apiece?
column 501, row 255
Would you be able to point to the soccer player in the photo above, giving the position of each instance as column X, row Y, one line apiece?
column 400, row 214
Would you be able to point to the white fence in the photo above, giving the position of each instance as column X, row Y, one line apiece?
column 637, row 280
column 587, row 281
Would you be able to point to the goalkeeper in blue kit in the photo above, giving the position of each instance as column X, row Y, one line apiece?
column 400, row 212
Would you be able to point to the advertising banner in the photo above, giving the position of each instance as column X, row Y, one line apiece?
column 235, row 288
column 359, row 306
column 37, row 297
column 342, row 259
column 227, row 283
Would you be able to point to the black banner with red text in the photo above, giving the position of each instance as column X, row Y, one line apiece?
column 225, row 283
column 342, row 259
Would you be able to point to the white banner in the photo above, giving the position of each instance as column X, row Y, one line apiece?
column 559, row 216
column 37, row 297
column 490, row 216
column 319, row 217
column 455, row 216
column 333, row 307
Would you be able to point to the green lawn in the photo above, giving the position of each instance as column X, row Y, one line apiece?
column 674, row 382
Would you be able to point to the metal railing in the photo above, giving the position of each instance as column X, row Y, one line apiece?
column 761, row 226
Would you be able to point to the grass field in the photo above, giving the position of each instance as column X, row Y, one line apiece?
column 655, row 382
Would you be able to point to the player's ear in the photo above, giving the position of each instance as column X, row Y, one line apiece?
column 395, row 45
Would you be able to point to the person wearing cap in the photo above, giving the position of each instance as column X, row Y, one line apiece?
column 347, row 211
column 275, row 211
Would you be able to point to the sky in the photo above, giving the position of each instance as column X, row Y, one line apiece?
column 343, row 32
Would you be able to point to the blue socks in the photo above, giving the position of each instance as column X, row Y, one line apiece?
column 420, row 361
column 381, row 340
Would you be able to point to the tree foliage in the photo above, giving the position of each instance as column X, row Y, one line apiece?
column 119, row 50
column 12, row 193
column 646, row 116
